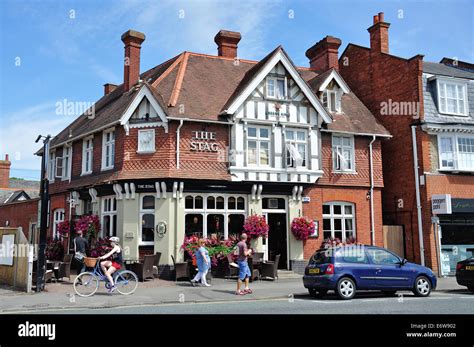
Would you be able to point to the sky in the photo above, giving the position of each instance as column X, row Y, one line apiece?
column 58, row 54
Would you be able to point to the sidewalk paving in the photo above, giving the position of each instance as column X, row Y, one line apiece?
column 61, row 295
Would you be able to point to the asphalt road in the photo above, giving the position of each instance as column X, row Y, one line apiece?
column 458, row 302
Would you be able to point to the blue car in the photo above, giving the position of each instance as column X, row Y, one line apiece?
column 347, row 269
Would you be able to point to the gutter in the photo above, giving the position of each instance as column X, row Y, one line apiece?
column 372, row 222
column 199, row 120
column 417, row 191
column 354, row 133
column 181, row 122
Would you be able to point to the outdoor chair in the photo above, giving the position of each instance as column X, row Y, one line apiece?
column 255, row 273
column 156, row 264
column 181, row 269
column 65, row 267
column 270, row 268
column 144, row 270
column 48, row 276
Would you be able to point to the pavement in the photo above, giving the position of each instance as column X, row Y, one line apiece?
column 60, row 297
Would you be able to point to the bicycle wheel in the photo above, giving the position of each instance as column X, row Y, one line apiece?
column 126, row 282
column 86, row 284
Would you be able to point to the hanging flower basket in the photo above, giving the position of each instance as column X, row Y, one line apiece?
column 64, row 228
column 302, row 228
column 256, row 226
column 89, row 225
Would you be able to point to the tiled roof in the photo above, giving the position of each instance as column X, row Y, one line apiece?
column 445, row 70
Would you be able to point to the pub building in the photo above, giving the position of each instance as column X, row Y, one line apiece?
column 198, row 143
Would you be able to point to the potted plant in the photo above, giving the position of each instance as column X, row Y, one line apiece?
column 302, row 228
column 54, row 250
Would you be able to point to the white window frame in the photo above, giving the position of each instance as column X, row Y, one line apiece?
column 456, row 153
column 342, row 216
column 289, row 160
column 142, row 213
column 87, row 155
column 441, row 85
column 335, row 152
column 258, row 141
column 66, row 163
column 111, row 145
column 108, row 209
column 58, row 217
column 52, row 166
column 275, row 88
column 326, row 100
column 152, row 144
column 226, row 212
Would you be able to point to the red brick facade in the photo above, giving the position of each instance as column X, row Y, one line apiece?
column 20, row 214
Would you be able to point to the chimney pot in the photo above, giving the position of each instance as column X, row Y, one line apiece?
column 227, row 43
column 324, row 54
column 131, row 72
column 379, row 34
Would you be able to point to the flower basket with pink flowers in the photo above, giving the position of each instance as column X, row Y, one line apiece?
column 64, row 228
column 89, row 225
column 256, row 226
column 302, row 228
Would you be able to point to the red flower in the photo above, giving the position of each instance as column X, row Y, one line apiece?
column 256, row 226
column 302, row 228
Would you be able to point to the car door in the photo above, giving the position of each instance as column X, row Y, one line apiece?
column 389, row 271
column 354, row 260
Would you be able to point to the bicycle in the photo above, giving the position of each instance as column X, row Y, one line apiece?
column 87, row 283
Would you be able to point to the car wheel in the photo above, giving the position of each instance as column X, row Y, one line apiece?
column 422, row 286
column 471, row 289
column 317, row 293
column 346, row 288
column 389, row 292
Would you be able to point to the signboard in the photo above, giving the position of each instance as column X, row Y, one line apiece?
column 141, row 187
column 306, row 199
column 204, row 141
column 441, row 204
column 445, row 267
column 6, row 249
column 463, row 205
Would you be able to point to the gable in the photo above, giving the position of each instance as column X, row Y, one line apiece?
column 334, row 79
column 274, row 64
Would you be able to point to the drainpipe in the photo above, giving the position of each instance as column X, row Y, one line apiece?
column 181, row 121
column 372, row 222
column 417, row 191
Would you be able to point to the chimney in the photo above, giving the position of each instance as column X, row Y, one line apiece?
column 5, row 172
column 379, row 34
column 324, row 54
column 109, row 88
column 227, row 43
column 131, row 72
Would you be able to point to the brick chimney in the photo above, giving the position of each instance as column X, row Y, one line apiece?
column 5, row 172
column 379, row 34
column 324, row 54
column 109, row 88
column 131, row 72
column 227, row 43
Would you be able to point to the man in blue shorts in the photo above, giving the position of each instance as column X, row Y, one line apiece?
column 244, row 271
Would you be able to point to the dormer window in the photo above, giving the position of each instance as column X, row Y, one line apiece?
column 276, row 88
column 332, row 100
column 452, row 98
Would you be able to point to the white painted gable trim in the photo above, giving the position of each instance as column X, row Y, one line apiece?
column 339, row 80
column 143, row 93
column 280, row 57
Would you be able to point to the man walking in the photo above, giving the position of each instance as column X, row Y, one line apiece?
column 244, row 271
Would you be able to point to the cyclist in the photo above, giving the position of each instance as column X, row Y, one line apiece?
column 116, row 262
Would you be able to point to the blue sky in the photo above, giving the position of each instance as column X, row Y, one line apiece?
column 66, row 50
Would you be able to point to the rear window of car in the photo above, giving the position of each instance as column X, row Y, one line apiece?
column 352, row 255
column 322, row 257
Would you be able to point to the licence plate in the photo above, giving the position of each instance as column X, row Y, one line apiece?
column 314, row 271
column 469, row 267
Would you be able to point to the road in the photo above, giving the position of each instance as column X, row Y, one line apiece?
column 460, row 302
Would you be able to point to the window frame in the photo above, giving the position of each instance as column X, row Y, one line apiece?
column 66, row 163
column 456, row 152
column 343, row 216
column 110, row 212
column 352, row 152
column 111, row 144
column 442, row 84
column 296, row 142
column 52, row 166
column 258, row 141
column 152, row 144
column 59, row 216
column 87, row 150
column 275, row 88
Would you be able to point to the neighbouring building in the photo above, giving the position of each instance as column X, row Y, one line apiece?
column 430, row 107
column 199, row 142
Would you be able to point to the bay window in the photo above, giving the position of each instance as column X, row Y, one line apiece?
column 343, row 153
column 339, row 220
column 87, row 152
column 452, row 98
column 258, row 146
column 147, row 216
column 108, row 149
column 456, row 152
column 296, row 148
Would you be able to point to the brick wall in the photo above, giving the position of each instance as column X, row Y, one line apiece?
column 356, row 195
column 20, row 214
